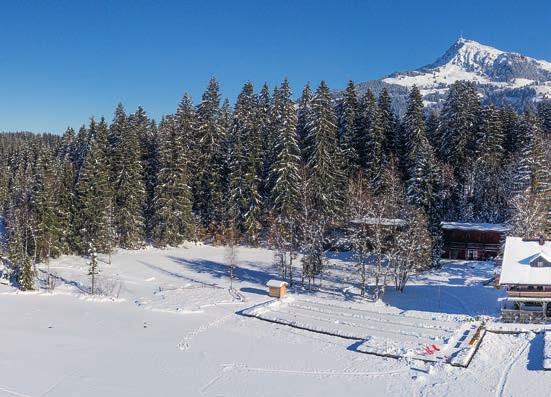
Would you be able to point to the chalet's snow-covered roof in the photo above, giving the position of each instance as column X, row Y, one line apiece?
column 276, row 283
column 482, row 227
column 379, row 221
column 518, row 255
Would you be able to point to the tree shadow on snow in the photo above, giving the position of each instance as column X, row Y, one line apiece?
column 178, row 275
column 257, row 291
column 220, row 270
column 535, row 354
column 461, row 299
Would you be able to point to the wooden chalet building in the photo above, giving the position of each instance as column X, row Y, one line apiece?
column 472, row 241
column 526, row 275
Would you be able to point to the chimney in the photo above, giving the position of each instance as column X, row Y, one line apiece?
column 541, row 240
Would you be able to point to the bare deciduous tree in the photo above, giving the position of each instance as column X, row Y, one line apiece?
column 529, row 214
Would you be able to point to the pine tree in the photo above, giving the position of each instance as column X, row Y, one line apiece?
column 19, row 256
column 245, row 166
column 286, row 169
column 372, row 140
column 172, row 219
column 268, row 142
column 421, row 168
column 388, row 124
column 414, row 133
column 324, row 161
column 544, row 114
column 50, row 218
column 128, row 181
column 303, row 117
column 489, row 194
column 458, row 124
column 531, row 168
column 509, row 124
column 209, row 202
column 145, row 130
column 347, row 128
column 94, row 196
column 433, row 133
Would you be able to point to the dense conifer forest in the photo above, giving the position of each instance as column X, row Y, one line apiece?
column 273, row 171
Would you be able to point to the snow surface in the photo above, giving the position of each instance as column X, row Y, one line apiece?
column 483, row 227
column 276, row 283
column 517, row 257
column 169, row 326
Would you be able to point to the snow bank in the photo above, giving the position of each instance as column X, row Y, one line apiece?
column 482, row 227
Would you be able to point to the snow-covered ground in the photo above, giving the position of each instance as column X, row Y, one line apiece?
column 171, row 328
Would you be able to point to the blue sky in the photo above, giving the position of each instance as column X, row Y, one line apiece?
column 63, row 61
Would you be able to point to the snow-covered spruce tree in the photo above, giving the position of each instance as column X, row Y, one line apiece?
column 324, row 162
column 245, row 166
column 287, row 179
column 388, row 124
column 348, row 117
column 458, row 125
column 172, row 217
column 268, row 143
column 421, row 167
column 488, row 192
column 67, row 201
column 94, row 196
column 532, row 170
column 544, row 114
column 424, row 183
column 509, row 124
column 209, row 200
column 433, row 133
column 303, row 117
column 371, row 142
column 253, row 171
column 145, row 130
column 18, row 255
column 80, row 147
column 225, row 121
column 128, row 182
column 51, row 210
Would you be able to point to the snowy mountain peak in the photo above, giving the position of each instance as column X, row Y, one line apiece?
column 501, row 76
column 468, row 54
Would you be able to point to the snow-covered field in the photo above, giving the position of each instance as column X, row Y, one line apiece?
column 172, row 328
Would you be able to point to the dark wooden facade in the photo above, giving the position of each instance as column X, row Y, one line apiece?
column 462, row 243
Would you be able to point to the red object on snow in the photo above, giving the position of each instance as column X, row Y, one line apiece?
column 435, row 348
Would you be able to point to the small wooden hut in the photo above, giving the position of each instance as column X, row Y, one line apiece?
column 277, row 288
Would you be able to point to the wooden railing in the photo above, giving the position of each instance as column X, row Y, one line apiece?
column 529, row 294
column 522, row 316
column 479, row 246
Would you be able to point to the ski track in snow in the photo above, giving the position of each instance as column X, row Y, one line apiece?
column 505, row 375
column 12, row 392
column 184, row 344
column 246, row 368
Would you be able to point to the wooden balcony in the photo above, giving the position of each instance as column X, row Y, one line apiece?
column 529, row 294
column 475, row 246
column 523, row 316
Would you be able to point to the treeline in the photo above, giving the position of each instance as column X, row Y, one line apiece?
column 270, row 169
